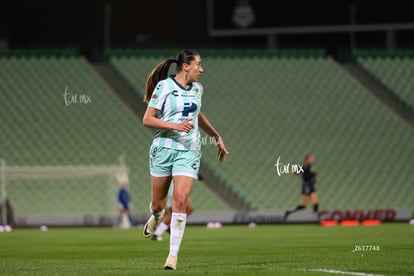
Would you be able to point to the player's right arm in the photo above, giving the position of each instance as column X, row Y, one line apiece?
column 158, row 99
column 151, row 119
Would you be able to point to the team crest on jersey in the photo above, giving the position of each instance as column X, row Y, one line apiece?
column 154, row 96
column 197, row 92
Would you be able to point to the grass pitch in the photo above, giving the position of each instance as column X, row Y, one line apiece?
column 231, row 250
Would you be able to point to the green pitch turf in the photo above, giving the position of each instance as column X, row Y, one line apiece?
column 232, row 250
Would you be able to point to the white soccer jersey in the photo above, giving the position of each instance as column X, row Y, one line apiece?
column 176, row 104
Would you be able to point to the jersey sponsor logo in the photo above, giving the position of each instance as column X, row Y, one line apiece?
column 175, row 93
column 194, row 166
column 189, row 108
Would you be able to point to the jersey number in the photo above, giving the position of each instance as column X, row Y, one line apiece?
column 189, row 108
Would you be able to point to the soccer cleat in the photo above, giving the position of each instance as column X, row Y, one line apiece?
column 151, row 225
column 171, row 263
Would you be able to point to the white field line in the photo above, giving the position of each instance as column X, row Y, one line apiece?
column 342, row 272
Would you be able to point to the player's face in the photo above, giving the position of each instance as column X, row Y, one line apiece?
column 310, row 160
column 194, row 70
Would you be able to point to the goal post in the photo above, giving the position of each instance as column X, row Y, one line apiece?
column 60, row 194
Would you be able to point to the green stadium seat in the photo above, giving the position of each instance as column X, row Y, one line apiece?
column 392, row 69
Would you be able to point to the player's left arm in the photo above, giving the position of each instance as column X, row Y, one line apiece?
column 205, row 125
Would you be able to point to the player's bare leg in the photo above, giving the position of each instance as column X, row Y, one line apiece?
column 163, row 226
column 305, row 199
column 190, row 208
column 315, row 202
column 159, row 193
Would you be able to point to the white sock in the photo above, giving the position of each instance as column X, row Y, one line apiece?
column 178, row 221
column 161, row 229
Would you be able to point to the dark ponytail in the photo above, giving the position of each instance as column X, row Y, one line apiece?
column 160, row 72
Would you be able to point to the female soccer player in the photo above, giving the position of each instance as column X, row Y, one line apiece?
column 308, row 187
column 174, row 104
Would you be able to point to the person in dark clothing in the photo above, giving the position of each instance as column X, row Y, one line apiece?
column 6, row 209
column 124, row 203
column 308, row 187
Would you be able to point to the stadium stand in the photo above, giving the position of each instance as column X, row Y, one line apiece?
column 41, row 126
column 285, row 105
column 267, row 106
column 393, row 69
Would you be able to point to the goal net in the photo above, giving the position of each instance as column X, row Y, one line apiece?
column 60, row 195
